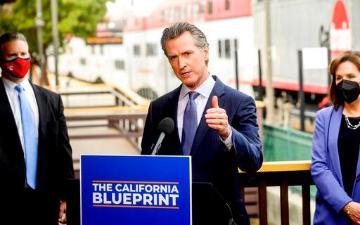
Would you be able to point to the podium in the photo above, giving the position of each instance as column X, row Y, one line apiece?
column 135, row 190
column 139, row 190
column 209, row 206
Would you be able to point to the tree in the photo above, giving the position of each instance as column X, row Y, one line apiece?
column 78, row 18
column 6, row 1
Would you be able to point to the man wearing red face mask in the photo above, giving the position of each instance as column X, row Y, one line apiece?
column 35, row 153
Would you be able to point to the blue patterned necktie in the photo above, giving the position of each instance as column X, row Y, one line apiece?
column 30, row 142
column 189, row 124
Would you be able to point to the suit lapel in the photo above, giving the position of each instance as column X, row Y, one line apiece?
column 41, row 103
column 7, row 119
column 203, row 128
column 334, row 128
column 8, row 126
column 358, row 168
column 172, row 109
column 6, row 113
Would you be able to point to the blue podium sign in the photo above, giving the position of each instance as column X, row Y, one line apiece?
column 135, row 190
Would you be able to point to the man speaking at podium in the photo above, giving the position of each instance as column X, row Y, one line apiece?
column 214, row 123
column 35, row 153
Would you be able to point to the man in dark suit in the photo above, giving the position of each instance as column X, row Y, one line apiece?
column 215, row 124
column 35, row 153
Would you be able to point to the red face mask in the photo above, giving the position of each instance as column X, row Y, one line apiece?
column 17, row 67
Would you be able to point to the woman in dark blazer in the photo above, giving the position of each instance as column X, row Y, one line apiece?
column 335, row 165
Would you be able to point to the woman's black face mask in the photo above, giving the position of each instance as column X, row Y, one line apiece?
column 348, row 90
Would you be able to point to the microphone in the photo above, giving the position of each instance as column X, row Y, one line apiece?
column 166, row 126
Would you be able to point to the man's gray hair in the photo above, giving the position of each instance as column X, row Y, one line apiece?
column 177, row 29
column 11, row 36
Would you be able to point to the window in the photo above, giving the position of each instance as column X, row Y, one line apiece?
column 177, row 12
column 136, row 50
column 82, row 61
column 166, row 15
column 210, row 7
column 147, row 93
column 101, row 50
column 227, row 48
column 171, row 15
column 151, row 49
column 189, row 11
column 163, row 16
column 201, row 8
column 227, row 5
column 119, row 64
column 184, row 12
column 220, row 48
column 195, row 10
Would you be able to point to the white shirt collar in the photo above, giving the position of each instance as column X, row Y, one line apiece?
column 10, row 85
column 204, row 89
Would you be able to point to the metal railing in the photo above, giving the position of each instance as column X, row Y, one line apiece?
column 107, row 106
column 128, row 125
column 119, row 97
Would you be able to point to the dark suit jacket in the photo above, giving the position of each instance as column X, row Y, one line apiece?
column 55, row 166
column 211, row 161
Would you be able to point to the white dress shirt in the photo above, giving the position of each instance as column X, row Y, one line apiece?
column 204, row 91
column 13, row 97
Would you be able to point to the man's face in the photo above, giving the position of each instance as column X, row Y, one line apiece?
column 187, row 60
column 15, row 60
column 13, row 49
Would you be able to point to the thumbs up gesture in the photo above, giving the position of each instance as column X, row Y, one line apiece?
column 217, row 119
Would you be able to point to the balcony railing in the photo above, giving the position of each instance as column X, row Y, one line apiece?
column 282, row 174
